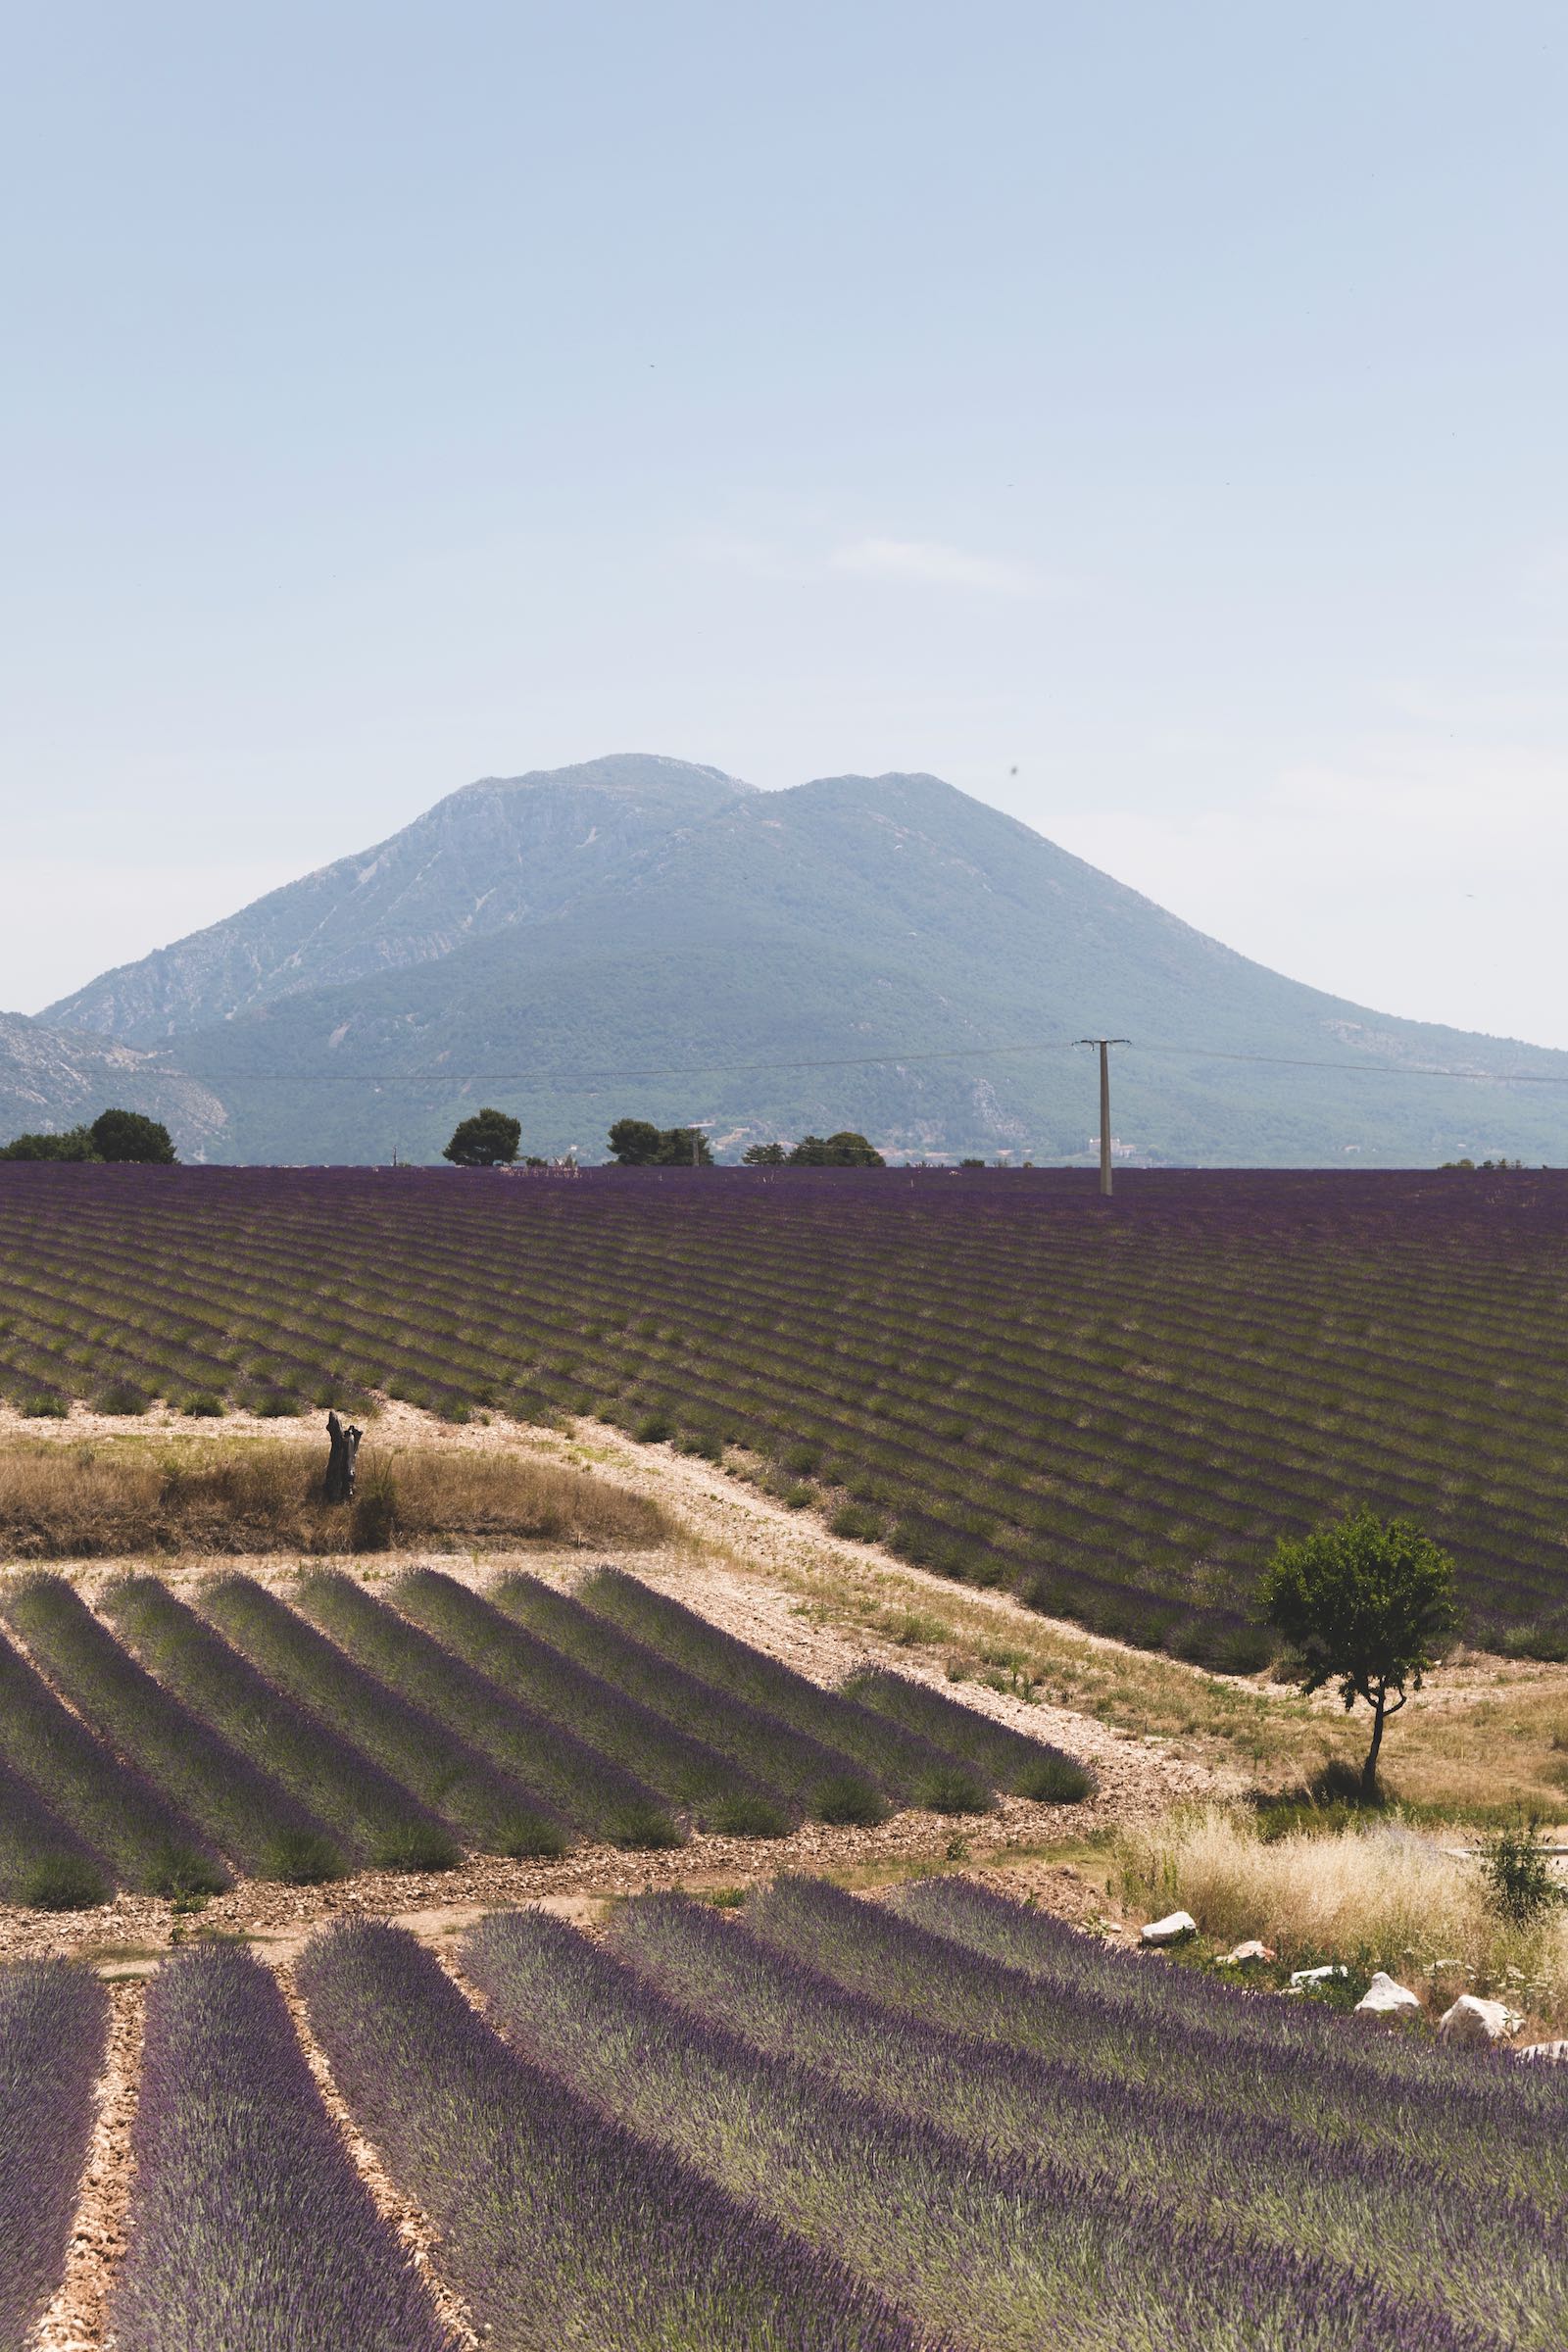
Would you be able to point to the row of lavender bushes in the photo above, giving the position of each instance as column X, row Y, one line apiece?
column 300, row 1741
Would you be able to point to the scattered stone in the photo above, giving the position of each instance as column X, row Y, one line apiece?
column 1250, row 1950
column 1476, row 2024
column 1544, row 2053
column 1316, row 1975
column 1171, row 1928
column 1383, row 1997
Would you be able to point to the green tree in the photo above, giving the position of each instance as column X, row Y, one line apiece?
column 638, row 1143
column 845, row 1149
column 126, row 1135
column 763, row 1156
column 482, row 1140
column 1368, row 1603
column 75, row 1144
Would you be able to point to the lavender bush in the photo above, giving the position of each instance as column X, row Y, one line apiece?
column 566, row 2232
column 248, row 2225
column 112, row 1808
column 954, row 1356
column 1005, row 2252
column 54, row 2029
column 241, row 1809
column 1006, row 1758
column 42, row 1863
column 1194, row 2154
column 421, row 1751
column 903, row 1761
column 563, row 1773
column 1471, row 2120
column 787, row 1763
column 683, row 1770
column 372, row 1817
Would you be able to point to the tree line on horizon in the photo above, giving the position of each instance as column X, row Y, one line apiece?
column 492, row 1137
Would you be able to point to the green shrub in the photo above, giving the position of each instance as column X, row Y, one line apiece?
column 845, row 1802
column 743, row 1816
column 952, row 1789
column 63, row 1883
column 854, row 1520
column 181, row 1872
column 300, row 1858
column 645, row 1829
column 653, row 1427
column 416, row 1846
column 1054, row 1780
column 1520, row 1885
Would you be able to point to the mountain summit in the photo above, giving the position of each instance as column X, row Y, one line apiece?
column 641, row 935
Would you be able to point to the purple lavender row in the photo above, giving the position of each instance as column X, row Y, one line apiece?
column 54, row 2029
column 1006, row 1757
column 1501, row 2267
column 1004, row 2252
column 113, row 1810
column 240, row 1809
column 680, row 1767
column 565, row 1774
column 248, row 2225
column 43, row 1865
column 373, row 1818
column 1469, row 2125
column 422, row 1751
column 566, row 2232
column 1063, row 1959
column 904, row 1761
column 789, row 1763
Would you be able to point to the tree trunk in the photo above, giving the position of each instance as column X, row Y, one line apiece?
column 345, row 1444
column 1369, row 1770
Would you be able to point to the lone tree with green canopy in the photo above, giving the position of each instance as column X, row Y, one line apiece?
column 1368, row 1603
column 483, row 1140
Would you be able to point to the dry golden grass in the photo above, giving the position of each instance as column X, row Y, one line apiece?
column 1379, row 1894
column 1486, row 1736
column 101, row 1500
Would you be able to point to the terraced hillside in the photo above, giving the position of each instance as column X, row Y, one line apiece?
column 940, row 2123
column 1112, row 1408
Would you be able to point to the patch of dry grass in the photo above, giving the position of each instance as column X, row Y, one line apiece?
column 1486, row 1736
column 1380, row 1896
column 102, row 1500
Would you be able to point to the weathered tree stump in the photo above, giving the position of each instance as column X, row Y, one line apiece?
column 345, row 1444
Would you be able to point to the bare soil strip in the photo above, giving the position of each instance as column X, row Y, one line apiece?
column 74, row 2321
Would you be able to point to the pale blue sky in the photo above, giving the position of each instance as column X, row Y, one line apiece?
column 1164, row 403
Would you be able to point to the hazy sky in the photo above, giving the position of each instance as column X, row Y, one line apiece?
column 1150, row 418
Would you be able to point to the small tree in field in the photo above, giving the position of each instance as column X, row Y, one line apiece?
column 1368, row 1603
column 126, row 1135
column 479, row 1142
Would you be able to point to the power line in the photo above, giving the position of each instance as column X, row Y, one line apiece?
column 567, row 1082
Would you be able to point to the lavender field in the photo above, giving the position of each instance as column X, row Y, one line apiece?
column 1111, row 1408
column 937, row 2123
column 161, row 1742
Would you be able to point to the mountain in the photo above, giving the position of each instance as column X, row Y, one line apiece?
column 639, row 936
column 55, row 1078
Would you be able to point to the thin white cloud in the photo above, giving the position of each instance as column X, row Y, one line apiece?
column 932, row 563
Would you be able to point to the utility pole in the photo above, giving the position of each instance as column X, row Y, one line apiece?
column 1105, row 1044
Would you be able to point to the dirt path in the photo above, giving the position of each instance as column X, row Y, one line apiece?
column 75, row 2320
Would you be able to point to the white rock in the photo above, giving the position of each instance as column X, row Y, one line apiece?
column 1317, row 1976
column 1171, row 1928
column 1544, row 2053
column 1383, row 1997
column 1250, row 1950
column 1477, row 2023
